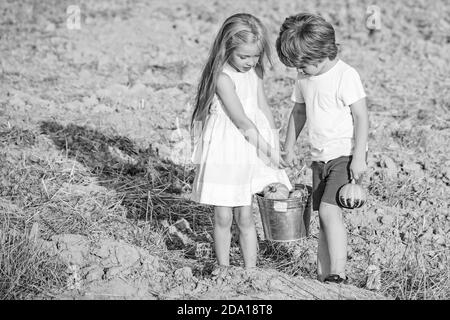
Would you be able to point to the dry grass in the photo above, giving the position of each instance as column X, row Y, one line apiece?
column 410, row 281
column 150, row 188
column 403, row 230
column 293, row 258
column 128, row 200
column 99, row 183
column 411, row 232
column 60, row 196
column 26, row 271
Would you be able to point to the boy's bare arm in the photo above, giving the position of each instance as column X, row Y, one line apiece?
column 361, row 122
column 296, row 123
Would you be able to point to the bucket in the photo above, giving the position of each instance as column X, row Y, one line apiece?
column 287, row 219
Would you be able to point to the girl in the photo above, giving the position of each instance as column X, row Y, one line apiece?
column 236, row 149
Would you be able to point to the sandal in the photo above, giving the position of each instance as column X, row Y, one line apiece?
column 336, row 279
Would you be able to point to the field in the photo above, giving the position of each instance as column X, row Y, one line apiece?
column 94, row 170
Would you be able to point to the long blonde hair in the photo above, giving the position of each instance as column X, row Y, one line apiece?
column 237, row 29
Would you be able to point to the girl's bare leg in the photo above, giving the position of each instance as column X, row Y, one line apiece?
column 247, row 235
column 223, row 218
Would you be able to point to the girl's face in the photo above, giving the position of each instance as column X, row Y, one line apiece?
column 245, row 57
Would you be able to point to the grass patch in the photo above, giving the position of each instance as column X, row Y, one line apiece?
column 26, row 271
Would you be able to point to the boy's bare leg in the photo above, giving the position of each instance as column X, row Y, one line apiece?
column 336, row 237
column 223, row 218
column 323, row 256
column 247, row 235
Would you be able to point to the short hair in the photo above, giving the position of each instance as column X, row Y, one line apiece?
column 305, row 38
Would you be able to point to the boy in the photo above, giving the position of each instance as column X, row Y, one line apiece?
column 330, row 98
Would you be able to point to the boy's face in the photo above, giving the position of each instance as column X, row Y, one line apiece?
column 245, row 57
column 312, row 69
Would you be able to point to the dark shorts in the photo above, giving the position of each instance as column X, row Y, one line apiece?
column 328, row 178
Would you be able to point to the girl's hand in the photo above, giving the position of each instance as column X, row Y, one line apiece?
column 357, row 168
column 277, row 161
column 273, row 159
column 288, row 157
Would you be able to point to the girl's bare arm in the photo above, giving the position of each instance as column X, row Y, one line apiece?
column 233, row 108
column 264, row 105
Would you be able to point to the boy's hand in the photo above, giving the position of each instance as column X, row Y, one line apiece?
column 357, row 168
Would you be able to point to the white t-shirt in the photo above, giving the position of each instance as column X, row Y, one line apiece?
column 327, row 97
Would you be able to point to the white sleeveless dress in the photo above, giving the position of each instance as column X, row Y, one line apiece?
column 228, row 169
